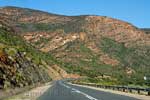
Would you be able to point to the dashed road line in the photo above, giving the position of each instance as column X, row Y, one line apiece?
column 77, row 91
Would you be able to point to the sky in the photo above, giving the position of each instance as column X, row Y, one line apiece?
column 136, row 12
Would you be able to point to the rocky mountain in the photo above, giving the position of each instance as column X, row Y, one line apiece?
column 22, row 65
column 98, row 47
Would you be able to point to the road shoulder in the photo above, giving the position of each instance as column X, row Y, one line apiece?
column 141, row 97
column 33, row 94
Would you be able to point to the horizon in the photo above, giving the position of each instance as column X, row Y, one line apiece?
column 133, row 12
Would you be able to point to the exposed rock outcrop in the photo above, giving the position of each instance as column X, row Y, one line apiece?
column 84, row 45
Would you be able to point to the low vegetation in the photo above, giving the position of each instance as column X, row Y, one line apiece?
column 20, row 64
column 91, row 46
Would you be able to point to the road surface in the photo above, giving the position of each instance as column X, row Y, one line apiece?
column 63, row 91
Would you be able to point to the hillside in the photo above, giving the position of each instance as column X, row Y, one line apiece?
column 18, row 65
column 98, row 47
column 22, row 65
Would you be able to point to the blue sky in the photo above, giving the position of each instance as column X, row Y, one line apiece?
column 136, row 12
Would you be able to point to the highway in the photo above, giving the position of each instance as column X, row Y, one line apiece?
column 63, row 91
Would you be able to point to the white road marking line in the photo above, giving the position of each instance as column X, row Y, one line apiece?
column 77, row 91
column 64, row 85
column 86, row 95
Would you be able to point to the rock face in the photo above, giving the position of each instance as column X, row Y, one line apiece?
column 83, row 45
column 16, row 70
column 18, row 66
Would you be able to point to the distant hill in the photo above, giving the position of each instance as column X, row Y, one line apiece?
column 98, row 47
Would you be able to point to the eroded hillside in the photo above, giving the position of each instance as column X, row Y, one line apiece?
column 18, row 67
column 94, row 46
column 21, row 65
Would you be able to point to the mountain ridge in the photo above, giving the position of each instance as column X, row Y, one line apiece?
column 92, row 46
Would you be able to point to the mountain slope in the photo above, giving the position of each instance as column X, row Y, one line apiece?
column 22, row 65
column 98, row 47
column 18, row 66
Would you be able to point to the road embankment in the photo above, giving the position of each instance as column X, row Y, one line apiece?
column 30, row 93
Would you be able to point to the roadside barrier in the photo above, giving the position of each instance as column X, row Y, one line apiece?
column 137, row 90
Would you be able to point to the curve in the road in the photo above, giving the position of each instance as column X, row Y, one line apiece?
column 63, row 91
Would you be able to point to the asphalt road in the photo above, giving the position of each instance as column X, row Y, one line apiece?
column 63, row 91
